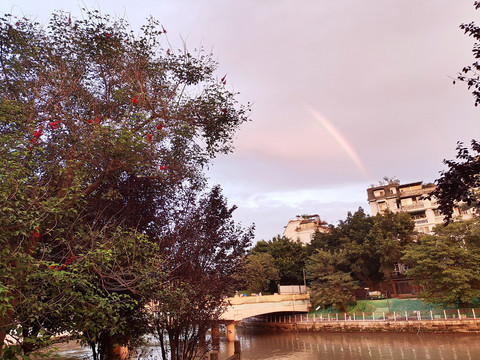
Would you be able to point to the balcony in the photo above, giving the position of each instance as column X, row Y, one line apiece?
column 413, row 206
column 420, row 221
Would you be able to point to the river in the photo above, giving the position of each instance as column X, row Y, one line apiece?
column 265, row 345
column 357, row 346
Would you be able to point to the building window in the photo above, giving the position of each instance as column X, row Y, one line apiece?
column 437, row 212
column 424, row 230
column 378, row 193
column 393, row 191
column 418, row 216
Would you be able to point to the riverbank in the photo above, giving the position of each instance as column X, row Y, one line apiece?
column 372, row 326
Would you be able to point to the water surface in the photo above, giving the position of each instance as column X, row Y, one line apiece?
column 257, row 344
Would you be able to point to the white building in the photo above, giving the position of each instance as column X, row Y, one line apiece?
column 302, row 228
column 413, row 199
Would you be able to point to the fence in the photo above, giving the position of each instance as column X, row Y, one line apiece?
column 409, row 315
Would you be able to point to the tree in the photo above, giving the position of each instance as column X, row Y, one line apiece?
column 352, row 237
column 458, row 185
column 330, row 286
column 289, row 258
column 446, row 264
column 102, row 133
column 469, row 74
column 203, row 251
column 370, row 246
column 258, row 272
column 390, row 234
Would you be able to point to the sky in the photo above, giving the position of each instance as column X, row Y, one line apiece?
column 343, row 93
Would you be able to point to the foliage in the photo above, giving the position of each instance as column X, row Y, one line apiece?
column 469, row 74
column 390, row 234
column 459, row 183
column 369, row 246
column 202, row 252
column 330, row 286
column 103, row 138
column 258, row 272
column 289, row 258
column 446, row 264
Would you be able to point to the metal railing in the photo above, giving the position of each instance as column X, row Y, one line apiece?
column 409, row 315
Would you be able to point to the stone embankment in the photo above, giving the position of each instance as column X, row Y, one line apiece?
column 464, row 321
column 434, row 326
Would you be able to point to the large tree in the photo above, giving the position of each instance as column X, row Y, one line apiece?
column 202, row 251
column 370, row 245
column 329, row 283
column 390, row 234
column 258, row 273
column 102, row 132
column 446, row 264
column 353, row 237
column 289, row 258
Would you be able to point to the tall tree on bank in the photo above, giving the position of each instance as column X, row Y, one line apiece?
column 352, row 237
column 202, row 253
column 446, row 264
column 289, row 258
column 329, row 283
column 369, row 245
column 258, row 273
column 102, row 133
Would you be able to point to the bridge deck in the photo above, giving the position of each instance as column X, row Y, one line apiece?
column 242, row 307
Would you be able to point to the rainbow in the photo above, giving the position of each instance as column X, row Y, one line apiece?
column 349, row 150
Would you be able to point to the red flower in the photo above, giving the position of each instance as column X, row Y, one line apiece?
column 135, row 100
column 89, row 121
column 163, row 167
column 54, row 124
column 17, row 23
column 38, row 133
column 29, row 147
column 108, row 35
column 159, row 126
column 52, row 267
column 34, row 141
column 97, row 120
column 149, row 137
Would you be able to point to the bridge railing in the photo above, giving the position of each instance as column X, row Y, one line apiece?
column 240, row 300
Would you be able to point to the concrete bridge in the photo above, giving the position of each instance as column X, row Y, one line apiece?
column 241, row 307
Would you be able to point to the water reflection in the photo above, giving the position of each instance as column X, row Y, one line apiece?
column 355, row 346
column 308, row 346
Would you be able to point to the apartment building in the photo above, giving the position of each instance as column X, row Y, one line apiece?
column 302, row 228
column 413, row 199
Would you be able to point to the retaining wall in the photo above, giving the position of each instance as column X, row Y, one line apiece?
column 433, row 326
